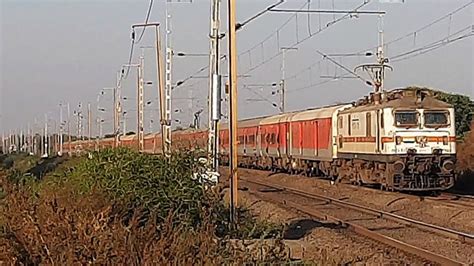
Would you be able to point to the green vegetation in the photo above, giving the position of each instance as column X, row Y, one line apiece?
column 463, row 107
column 123, row 207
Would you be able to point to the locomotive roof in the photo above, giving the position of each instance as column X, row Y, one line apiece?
column 407, row 98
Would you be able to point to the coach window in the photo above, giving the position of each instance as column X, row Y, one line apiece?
column 252, row 139
column 340, row 121
column 368, row 124
column 349, row 125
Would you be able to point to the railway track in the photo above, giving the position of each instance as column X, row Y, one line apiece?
column 456, row 200
column 430, row 242
column 445, row 198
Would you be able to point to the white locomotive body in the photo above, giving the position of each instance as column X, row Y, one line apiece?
column 404, row 141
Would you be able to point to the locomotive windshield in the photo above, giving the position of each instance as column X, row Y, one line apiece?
column 406, row 118
column 436, row 118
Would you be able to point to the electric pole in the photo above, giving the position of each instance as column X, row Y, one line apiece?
column 283, row 81
column 118, row 109
column 124, row 115
column 232, row 46
column 165, row 128
column 164, row 91
column 61, row 129
column 46, row 135
column 168, row 83
column 69, row 129
column 140, row 105
column 3, row 143
column 214, row 88
column 89, row 124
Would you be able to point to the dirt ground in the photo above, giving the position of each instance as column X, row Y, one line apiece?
column 325, row 243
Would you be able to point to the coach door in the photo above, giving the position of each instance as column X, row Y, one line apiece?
column 316, row 137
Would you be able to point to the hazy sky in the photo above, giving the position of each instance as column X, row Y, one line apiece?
column 67, row 51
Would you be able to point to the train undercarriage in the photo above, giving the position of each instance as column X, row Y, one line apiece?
column 400, row 173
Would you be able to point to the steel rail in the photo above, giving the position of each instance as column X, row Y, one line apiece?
column 358, row 229
column 457, row 195
column 461, row 236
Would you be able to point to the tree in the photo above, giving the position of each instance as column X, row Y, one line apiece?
column 463, row 109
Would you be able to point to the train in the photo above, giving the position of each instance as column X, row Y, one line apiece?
column 399, row 140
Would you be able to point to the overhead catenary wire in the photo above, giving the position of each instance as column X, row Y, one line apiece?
column 432, row 46
column 298, row 42
column 150, row 6
column 343, row 67
column 417, row 32
column 304, row 39
column 240, row 25
column 408, row 54
column 123, row 74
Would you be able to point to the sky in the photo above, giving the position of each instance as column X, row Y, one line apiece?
column 57, row 52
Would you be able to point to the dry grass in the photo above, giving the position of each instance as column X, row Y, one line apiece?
column 58, row 223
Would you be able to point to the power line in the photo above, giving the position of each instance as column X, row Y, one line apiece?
column 431, row 46
column 416, row 32
column 240, row 25
column 203, row 68
column 311, row 86
column 132, row 45
column 431, row 23
column 345, row 68
column 406, row 55
column 298, row 42
column 146, row 20
column 301, row 71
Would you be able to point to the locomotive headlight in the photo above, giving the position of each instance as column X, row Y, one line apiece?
column 398, row 140
column 448, row 166
column 445, row 140
column 398, row 166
